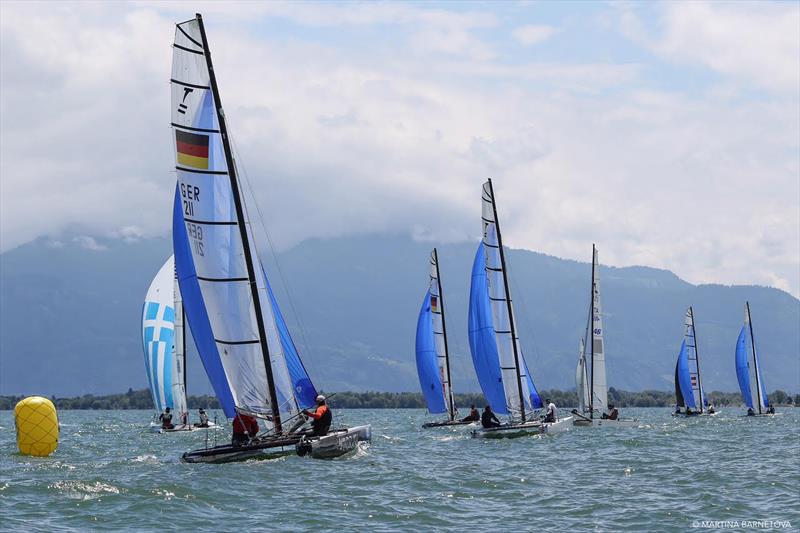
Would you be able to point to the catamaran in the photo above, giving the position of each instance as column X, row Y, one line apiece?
column 433, row 357
column 241, row 340
column 496, row 351
column 751, row 382
column 590, row 375
column 690, row 399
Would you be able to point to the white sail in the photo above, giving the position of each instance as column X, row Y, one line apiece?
column 217, row 224
column 581, row 380
column 160, row 343
column 691, row 356
column 439, row 334
column 179, row 361
column 756, row 380
column 512, row 366
column 599, row 399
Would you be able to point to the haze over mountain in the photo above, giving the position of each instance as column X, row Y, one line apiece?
column 70, row 312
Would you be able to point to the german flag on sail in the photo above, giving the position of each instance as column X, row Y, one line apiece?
column 434, row 304
column 192, row 149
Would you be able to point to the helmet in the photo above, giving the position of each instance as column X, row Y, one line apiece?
column 320, row 398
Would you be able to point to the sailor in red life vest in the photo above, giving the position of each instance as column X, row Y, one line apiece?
column 322, row 418
column 245, row 427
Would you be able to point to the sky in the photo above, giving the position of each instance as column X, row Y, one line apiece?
column 666, row 133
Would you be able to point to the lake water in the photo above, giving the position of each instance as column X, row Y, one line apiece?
column 670, row 475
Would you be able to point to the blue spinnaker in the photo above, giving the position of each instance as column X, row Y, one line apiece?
column 685, row 378
column 536, row 401
column 427, row 368
column 304, row 391
column 195, row 310
column 482, row 342
column 742, row 368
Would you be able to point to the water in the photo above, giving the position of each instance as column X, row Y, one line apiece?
column 110, row 472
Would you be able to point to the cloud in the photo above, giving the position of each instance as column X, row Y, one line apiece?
column 334, row 137
column 533, row 34
column 756, row 43
column 89, row 243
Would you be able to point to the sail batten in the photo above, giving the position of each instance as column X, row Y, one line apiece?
column 227, row 298
column 492, row 311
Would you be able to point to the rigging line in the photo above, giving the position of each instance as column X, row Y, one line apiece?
column 284, row 282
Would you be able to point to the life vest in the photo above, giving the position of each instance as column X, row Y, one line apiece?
column 323, row 420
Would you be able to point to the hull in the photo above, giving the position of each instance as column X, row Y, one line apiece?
column 445, row 424
column 605, row 423
column 156, row 428
column 335, row 444
column 228, row 453
column 512, row 431
column 705, row 413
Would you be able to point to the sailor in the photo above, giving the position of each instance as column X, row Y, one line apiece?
column 166, row 419
column 689, row 411
column 203, row 419
column 613, row 413
column 677, row 410
column 711, row 410
column 771, row 410
column 245, row 427
column 185, row 418
column 322, row 418
column 473, row 415
column 488, row 420
column 552, row 412
column 750, row 412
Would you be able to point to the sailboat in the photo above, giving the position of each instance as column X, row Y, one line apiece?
column 226, row 296
column 689, row 394
column 433, row 357
column 494, row 343
column 751, row 382
column 163, row 342
column 590, row 373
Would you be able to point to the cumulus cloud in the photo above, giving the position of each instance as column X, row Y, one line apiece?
column 335, row 138
column 89, row 243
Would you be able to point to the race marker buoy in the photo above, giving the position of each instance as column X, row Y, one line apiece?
column 37, row 426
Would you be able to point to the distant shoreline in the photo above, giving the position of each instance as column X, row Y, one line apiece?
column 140, row 399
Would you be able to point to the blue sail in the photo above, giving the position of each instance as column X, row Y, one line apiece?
column 536, row 401
column 195, row 310
column 685, row 378
column 743, row 369
column 304, row 391
column 427, row 368
column 482, row 342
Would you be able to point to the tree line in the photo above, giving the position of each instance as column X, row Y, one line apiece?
column 140, row 399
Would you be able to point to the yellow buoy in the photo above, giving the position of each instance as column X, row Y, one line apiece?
column 37, row 426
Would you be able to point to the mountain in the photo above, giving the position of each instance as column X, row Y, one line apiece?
column 70, row 311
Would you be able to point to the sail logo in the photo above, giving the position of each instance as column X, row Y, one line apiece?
column 192, row 149
column 434, row 304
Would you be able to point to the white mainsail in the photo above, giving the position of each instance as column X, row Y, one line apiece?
column 756, row 380
column 233, row 287
column 692, row 358
column 440, row 339
column 163, row 341
column 512, row 367
column 599, row 398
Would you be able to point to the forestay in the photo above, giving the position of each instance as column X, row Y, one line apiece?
column 431, row 347
column 225, row 292
column 162, row 341
column 582, row 379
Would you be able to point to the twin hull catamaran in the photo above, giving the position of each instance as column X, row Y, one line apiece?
column 241, row 338
column 590, row 375
column 690, row 399
column 496, row 351
column 433, row 358
column 751, row 382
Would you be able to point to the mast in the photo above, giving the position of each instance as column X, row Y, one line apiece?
column 237, row 200
column 755, row 362
column 444, row 333
column 696, row 359
column 591, row 340
column 508, row 301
